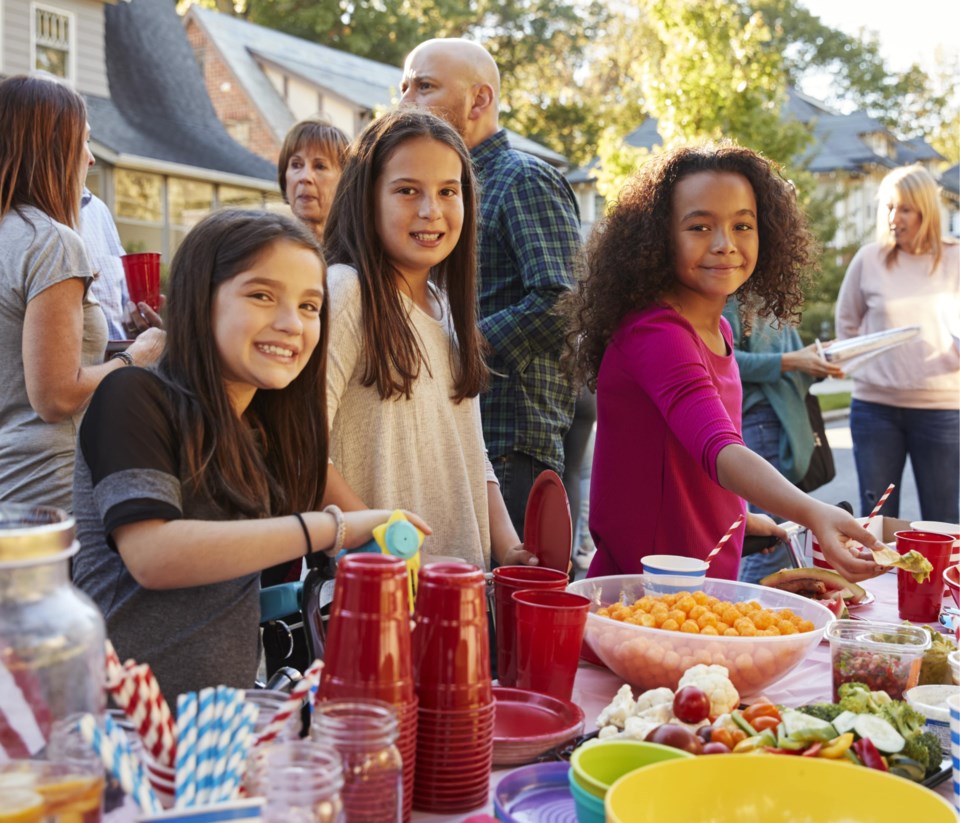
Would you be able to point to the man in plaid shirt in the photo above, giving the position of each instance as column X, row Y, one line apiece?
column 529, row 240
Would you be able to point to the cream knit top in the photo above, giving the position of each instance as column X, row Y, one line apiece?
column 425, row 454
column 923, row 373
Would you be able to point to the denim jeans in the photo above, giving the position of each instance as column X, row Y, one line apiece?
column 883, row 437
column 761, row 434
column 516, row 473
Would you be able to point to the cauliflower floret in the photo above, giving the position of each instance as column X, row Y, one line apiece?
column 653, row 697
column 661, row 713
column 607, row 732
column 638, row 727
column 620, row 708
column 714, row 681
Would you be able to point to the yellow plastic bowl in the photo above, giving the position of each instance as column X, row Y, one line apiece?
column 597, row 766
column 770, row 789
column 647, row 658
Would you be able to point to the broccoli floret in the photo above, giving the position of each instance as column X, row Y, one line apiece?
column 857, row 698
column 934, row 750
column 824, row 711
column 903, row 717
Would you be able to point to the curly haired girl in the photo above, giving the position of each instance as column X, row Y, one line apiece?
column 670, row 473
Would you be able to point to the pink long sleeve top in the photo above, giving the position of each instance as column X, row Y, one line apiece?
column 666, row 407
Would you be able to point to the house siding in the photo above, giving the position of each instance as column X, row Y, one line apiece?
column 233, row 106
column 88, row 41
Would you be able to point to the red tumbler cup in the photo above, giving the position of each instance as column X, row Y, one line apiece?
column 549, row 631
column 142, row 271
column 506, row 581
column 921, row 602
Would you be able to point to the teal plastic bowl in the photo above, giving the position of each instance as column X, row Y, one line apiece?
column 589, row 808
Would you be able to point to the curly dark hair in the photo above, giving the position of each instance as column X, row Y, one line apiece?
column 629, row 257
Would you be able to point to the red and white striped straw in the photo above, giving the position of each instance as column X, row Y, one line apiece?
column 716, row 549
column 310, row 680
column 880, row 502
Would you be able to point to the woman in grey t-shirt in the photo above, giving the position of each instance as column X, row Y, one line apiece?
column 52, row 331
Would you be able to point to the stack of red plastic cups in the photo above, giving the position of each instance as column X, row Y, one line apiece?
column 368, row 652
column 451, row 653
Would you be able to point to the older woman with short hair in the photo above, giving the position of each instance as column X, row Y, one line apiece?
column 52, row 331
column 308, row 170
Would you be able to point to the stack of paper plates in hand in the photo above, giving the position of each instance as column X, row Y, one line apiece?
column 843, row 350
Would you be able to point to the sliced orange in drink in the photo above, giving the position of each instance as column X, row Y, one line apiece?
column 20, row 806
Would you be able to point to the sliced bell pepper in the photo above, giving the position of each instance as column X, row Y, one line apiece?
column 812, row 751
column 869, row 754
column 837, row 747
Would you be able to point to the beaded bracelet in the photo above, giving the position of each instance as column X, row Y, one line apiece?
column 341, row 525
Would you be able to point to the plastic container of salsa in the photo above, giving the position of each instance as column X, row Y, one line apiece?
column 884, row 656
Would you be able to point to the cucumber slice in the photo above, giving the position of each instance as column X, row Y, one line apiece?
column 794, row 721
column 886, row 738
column 845, row 721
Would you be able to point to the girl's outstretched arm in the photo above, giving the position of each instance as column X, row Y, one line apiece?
column 505, row 545
column 176, row 554
column 750, row 476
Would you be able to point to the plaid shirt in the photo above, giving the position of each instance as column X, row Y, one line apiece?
column 529, row 240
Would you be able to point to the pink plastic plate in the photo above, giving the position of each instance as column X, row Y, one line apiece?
column 548, row 530
column 529, row 723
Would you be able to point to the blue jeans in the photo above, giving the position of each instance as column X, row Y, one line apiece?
column 761, row 434
column 883, row 436
column 516, row 473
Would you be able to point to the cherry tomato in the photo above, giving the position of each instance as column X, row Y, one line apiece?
column 737, row 735
column 715, row 748
column 670, row 734
column 722, row 736
column 762, row 723
column 704, row 733
column 691, row 705
column 763, row 709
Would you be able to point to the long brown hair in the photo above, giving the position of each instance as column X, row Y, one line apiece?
column 630, row 253
column 392, row 353
column 42, row 128
column 287, row 471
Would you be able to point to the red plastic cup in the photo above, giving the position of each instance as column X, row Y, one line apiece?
column 507, row 580
column 549, row 626
column 451, row 646
column 142, row 271
column 368, row 640
column 921, row 602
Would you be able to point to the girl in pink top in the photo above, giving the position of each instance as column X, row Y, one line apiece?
column 670, row 471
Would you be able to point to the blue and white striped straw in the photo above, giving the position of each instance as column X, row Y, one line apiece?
column 186, row 765
column 119, row 761
column 206, row 742
column 238, row 752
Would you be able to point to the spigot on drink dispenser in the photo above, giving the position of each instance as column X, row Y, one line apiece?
column 398, row 537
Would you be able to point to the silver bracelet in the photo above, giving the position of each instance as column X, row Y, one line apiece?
column 341, row 526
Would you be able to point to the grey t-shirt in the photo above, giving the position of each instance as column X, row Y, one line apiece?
column 36, row 458
column 129, row 469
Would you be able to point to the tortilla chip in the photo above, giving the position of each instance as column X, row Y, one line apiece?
column 912, row 561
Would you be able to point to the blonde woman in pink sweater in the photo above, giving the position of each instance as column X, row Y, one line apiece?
column 907, row 401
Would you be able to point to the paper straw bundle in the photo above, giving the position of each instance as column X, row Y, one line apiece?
column 214, row 737
column 110, row 744
column 309, row 683
column 135, row 690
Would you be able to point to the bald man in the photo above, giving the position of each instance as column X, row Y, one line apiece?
column 529, row 241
